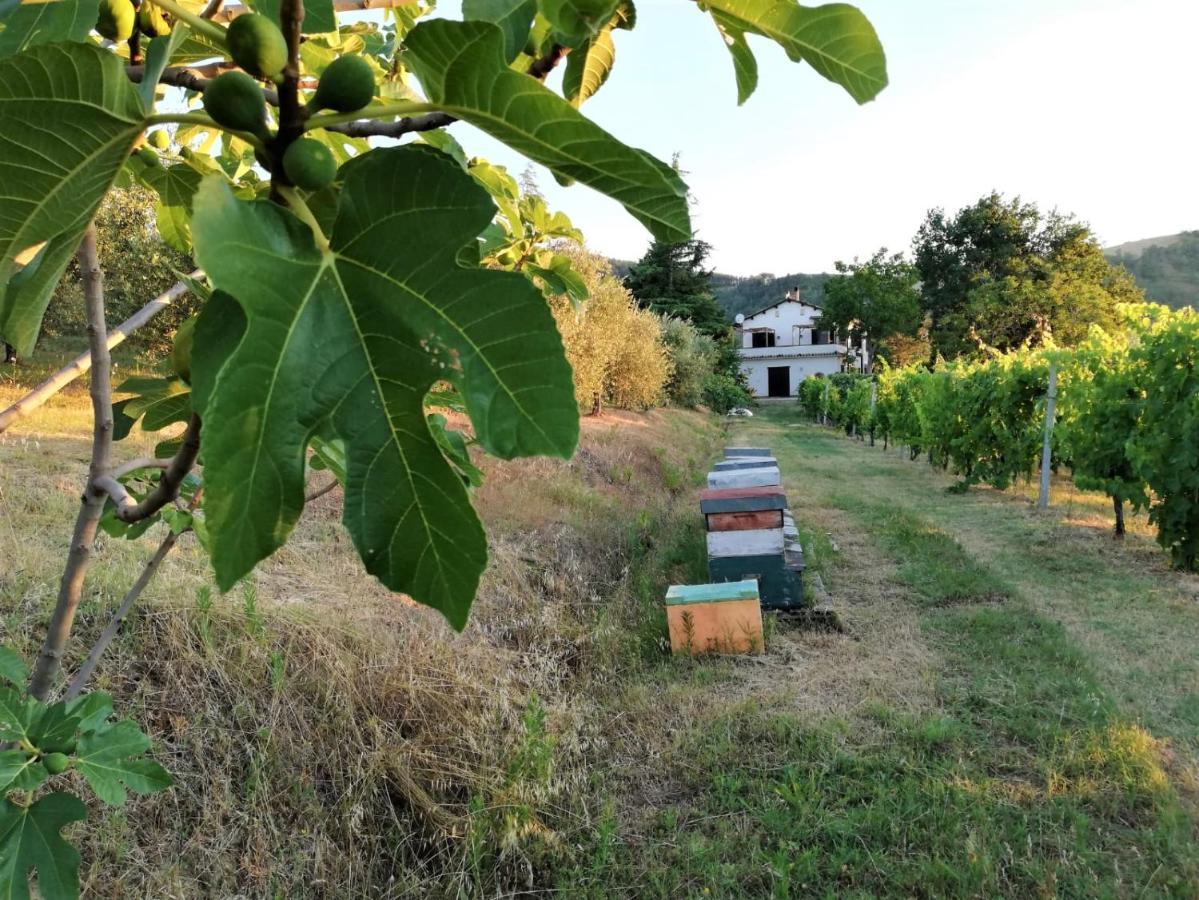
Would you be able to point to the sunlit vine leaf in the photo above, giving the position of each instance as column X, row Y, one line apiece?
column 344, row 343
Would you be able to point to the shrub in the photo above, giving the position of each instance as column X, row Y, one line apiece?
column 723, row 392
column 137, row 266
column 693, row 357
column 615, row 349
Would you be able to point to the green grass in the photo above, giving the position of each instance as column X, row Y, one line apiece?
column 933, row 563
column 1032, row 773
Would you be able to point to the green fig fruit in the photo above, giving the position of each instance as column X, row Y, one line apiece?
column 116, row 20
column 346, row 86
column 257, row 45
column 309, row 164
column 158, row 139
column 148, row 156
column 181, row 349
column 56, row 763
column 235, row 100
column 151, row 21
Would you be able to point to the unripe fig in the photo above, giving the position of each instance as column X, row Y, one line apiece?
column 116, row 19
column 309, row 164
column 257, row 45
column 148, row 156
column 158, row 139
column 151, row 21
column 235, row 100
column 181, row 350
column 346, row 86
column 56, row 763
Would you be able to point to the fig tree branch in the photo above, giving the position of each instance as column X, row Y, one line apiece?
column 168, row 485
column 91, row 505
column 229, row 13
column 408, row 125
column 292, row 114
column 115, row 490
column 80, row 364
column 79, row 682
column 543, row 66
column 142, row 462
column 321, row 491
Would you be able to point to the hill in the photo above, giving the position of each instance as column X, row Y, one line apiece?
column 1167, row 268
column 746, row 294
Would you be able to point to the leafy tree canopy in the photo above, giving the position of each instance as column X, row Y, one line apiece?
column 1000, row 273
column 878, row 297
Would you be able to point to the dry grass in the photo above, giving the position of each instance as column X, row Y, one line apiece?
column 297, row 712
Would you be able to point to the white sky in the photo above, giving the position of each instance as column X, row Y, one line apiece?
column 1089, row 106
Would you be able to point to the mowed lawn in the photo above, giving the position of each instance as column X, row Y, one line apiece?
column 1013, row 709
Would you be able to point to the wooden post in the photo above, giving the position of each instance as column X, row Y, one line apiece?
column 824, row 405
column 1050, row 404
column 873, row 404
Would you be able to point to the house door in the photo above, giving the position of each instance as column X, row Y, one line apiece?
column 778, row 381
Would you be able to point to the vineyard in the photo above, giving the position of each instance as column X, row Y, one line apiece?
column 1126, row 423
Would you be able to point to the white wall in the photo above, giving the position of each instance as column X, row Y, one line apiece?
column 783, row 319
column 755, row 370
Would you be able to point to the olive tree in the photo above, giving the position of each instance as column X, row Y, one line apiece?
column 352, row 263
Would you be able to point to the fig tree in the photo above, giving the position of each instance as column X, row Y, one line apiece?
column 309, row 164
column 181, row 350
column 235, row 100
column 346, row 86
column 257, row 45
column 116, row 19
column 158, row 139
column 56, row 763
column 151, row 21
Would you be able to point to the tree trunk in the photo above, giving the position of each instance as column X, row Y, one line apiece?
column 597, row 404
column 1118, row 504
column 91, row 506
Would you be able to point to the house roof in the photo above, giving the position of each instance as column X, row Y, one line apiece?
column 801, row 302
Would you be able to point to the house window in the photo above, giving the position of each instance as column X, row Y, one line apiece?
column 763, row 338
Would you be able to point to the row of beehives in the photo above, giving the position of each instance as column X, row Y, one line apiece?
column 755, row 561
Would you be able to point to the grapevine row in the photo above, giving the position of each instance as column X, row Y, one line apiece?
column 1127, row 419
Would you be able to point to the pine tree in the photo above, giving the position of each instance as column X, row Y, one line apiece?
column 671, row 279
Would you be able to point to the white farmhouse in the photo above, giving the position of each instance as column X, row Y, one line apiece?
column 780, row 347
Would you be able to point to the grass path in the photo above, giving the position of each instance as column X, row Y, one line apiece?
column 1135, row 619
column 1010, row 714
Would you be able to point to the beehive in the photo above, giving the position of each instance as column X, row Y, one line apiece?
column 744, row 478
column 746, row 462
column 715, row 618
column 733, row 452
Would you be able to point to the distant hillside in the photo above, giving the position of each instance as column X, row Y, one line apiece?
column 1167, row 268
column 753, row 292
